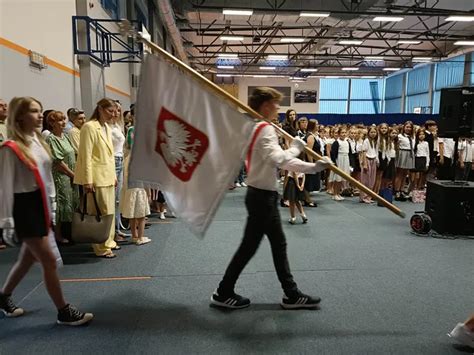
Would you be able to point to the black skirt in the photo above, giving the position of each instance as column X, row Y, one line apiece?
column 389, row 172
column 383, row 163
column 292, row 193
column 420, row 164
column 312, row 182
column 356, row 162
column 28, row 214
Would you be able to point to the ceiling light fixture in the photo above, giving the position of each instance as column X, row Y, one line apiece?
column 224, row 75
column 260, row 76
column 350, row 41
column 391, row 69
column 228, row 55
column 464, row 43
column 277, row 57
column 388, row 19
column 460, row 18
column 231, row 38
column 309, row 70
column 291, row 40
column 350, row 68
column 421, row 59
column 408, row 42
column 373, row 59
column 237, row 12
column 225, row 67
column 267, row 68
column 314, row 14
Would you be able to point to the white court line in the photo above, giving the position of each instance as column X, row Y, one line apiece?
column 30, row 293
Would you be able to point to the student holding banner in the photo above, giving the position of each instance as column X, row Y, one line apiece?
column 264, row 156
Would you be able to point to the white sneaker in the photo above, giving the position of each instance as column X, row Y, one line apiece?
column 144, row 240
column 243, row 184
column 462, row 335
column 162, row 215
column 292, row 220
column 238, row 184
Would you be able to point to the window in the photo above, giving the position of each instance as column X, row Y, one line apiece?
column 448, row 74
column 334, row 94
column 366, row 95
column 418, row 83
column 393, row 93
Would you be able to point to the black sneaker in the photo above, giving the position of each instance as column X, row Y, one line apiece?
column 233, row 301
column 9, row 308
column 300, row 301
column 69, row 315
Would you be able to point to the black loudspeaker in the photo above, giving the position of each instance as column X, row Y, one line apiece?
column 450, row 204
column 456, row 113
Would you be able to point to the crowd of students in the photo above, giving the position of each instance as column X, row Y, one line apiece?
column 396, row 158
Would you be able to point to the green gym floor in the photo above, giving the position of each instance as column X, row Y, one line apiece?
column 383, row 290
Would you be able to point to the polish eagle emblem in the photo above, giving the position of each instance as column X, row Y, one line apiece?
column 181, row 145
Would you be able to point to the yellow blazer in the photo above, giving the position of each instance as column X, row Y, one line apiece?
column 95, row 159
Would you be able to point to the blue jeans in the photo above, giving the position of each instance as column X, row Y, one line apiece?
column 118, row 189
column 240, row 179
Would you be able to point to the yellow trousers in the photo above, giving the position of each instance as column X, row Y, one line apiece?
column 106, row 201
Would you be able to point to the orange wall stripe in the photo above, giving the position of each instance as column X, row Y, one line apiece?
column 120, row 92
column 22, row 50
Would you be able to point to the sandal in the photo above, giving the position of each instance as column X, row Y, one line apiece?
column 108, row 256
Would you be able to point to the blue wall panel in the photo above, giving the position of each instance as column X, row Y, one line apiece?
column 332, row 106
column 334, row 89
column 394, row 86
column 418, row 80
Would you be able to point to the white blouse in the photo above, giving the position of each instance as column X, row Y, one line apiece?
column 15, row 177
column 343, row 146
column 118, row 140
column 404, row 142
column 448, row 145
column 371, row 152
column 423, row 150
column 267, row 155
column 466, row 150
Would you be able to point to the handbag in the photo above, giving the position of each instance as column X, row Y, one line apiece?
column 387, row 194
column 89, row 228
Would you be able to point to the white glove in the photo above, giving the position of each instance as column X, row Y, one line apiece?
column 298, row 143
column 322, row 164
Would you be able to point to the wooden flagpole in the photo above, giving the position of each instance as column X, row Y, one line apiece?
column 215, row 88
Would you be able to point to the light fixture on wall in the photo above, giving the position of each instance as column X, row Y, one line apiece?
column 37, row 60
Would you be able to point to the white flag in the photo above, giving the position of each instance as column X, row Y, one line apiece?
column 188, row 142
